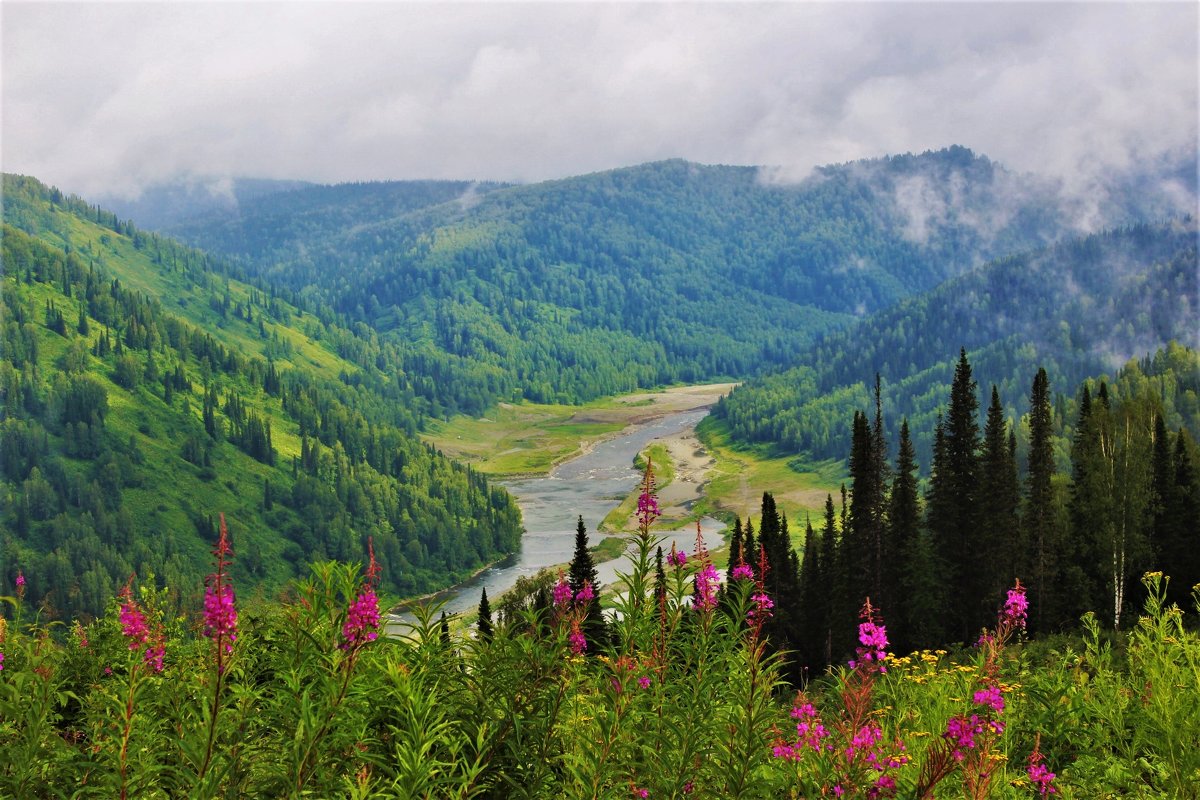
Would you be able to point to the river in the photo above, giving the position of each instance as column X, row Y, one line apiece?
column 592, row 485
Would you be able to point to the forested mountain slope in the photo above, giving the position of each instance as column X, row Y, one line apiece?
column 662, row 272
column 143, row 392
column 1080, row 308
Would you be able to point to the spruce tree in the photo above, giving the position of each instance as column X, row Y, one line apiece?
column 1090, row 509
column 583, row 570
column 812, row 584
column 485, row 618
column 904, row 526
column 999, row 501
column 1040, row 530
column 960, row 536
column 830, row 603
column 1181, row 552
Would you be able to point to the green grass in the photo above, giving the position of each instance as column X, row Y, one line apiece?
column 742, row 473
column 664, row 473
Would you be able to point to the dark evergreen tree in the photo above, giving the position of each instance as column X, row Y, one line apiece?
column 810, row 626
column 660, row 579
column 485, row 618
column 904, row 526
column 1038, row 519
column 581, row 571
column 999, row 503
column 1181, row 550
column 830, row 605
column 955, row 531
column 445, row 630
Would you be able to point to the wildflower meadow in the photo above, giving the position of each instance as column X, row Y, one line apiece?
column 315, row 695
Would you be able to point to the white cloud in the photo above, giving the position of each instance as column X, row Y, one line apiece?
column 111, row 96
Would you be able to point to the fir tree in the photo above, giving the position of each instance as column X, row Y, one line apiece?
column 485, row 618
column 904, row 526
column 1040, row 532
column 581, row 571
column 999, row 501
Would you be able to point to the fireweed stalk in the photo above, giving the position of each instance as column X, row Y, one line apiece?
column 969, row 740
column 150, row 644
column 638, row 619
column 220, row 625
column 848, row 756
column 359, row 628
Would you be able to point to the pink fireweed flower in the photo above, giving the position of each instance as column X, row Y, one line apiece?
column 20, row 579
column 707, row 581
column 362, row 620
column 647, row 508
column 561, row 593
column 872, row 638
column 154, row 656
column 761, row 608
column 742, row 572
column 677, row 558
column 961, row 733
column 641, row 793
column 644, row 682
column 133, row 623
column 1, row 662
column 577, row 641
column 220, row 613
column 80, row 635
column 585, row 595
column 1016, row 608
column 1039, row 775
column 992, row 697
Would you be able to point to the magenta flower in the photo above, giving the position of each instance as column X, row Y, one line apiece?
column 362, row 620
column 872, row 638
column 647, row 508
column 20, row 579
column 642, row 793
column 1016, row 608
column 561, row 593
column 220, row 614
column 154, row 656
column 585, row 595
column 677, row 558
column 133, row 623
column 742, row 572
column 577, row 641
column 707, row 581
column 961, row 733
column 1, row 662
column 644, row 682
column 1039, row 775
column 762, row 607
column 992, row 697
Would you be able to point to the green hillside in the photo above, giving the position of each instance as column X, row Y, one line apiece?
column 1081, row 308
column 671, row 271
column 144, row 392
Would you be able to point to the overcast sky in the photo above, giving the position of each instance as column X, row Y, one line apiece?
column 106, row 97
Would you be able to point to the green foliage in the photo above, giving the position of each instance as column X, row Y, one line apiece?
column 684, row 703
column 117, row 441
column 573, row 289
column 1077, row 309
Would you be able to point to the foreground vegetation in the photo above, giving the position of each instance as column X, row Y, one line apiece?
column 304, row 697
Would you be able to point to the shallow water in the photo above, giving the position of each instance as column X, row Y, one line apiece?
column 590, row 485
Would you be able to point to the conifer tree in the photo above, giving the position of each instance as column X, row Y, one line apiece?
column 904, row 526
column 583, row 570
column 830, row 605
column 954, row 529
column 1040, row 532
column 660, row 579
column 485, row 617
column 1181, row 551
column 810, row 625
column 999, row 502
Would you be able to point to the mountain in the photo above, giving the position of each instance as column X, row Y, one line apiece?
column 167, row 204
column 664, row 272
column 143, row 390
column 1080, row 308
